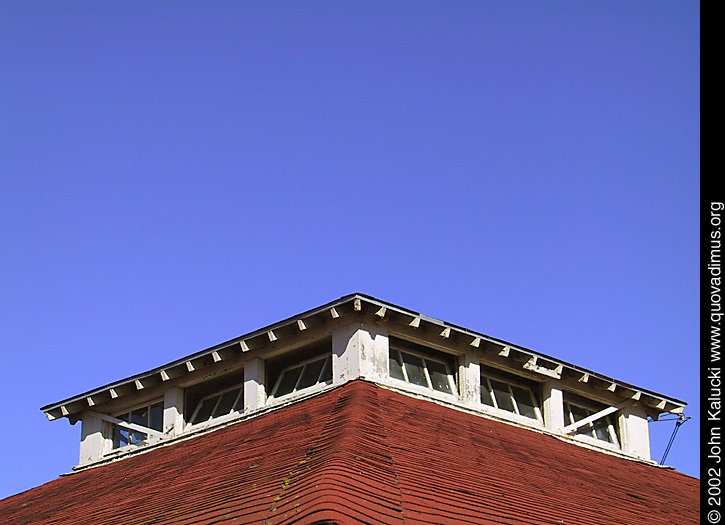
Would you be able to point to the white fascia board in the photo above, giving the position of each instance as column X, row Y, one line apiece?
column 413, row 318
column 417, row 319
column 240, row 341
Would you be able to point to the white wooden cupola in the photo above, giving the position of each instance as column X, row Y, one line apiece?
column 360, row 337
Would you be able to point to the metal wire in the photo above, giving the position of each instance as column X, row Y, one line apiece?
column 680, row 421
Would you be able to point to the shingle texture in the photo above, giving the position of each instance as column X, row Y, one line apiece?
column 364, row 454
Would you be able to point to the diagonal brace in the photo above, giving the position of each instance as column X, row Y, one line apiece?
column 125, row 424
column 589, row 419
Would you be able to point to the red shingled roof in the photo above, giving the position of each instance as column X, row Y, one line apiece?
column 364, row 454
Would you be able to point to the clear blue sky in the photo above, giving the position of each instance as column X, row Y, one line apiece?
column 175, row 174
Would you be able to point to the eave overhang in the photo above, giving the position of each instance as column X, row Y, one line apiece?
column 362, row 305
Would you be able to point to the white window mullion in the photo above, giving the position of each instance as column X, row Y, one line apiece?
column 405, row 372
column 426, row 373
column 513, row 400
column 216, row 405
column 612, row 435
column 196, row 410
column 451, row 381
column 322, row 371
column 493, row 393
column 240, row 397
column 299, row 378
column 319, row 374
column 612, row 431
column 539, row 415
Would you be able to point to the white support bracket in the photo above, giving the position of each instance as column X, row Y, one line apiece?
column 554, row 373
column 125, row 424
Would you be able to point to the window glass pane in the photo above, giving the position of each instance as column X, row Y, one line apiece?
column 157, row 417
column 438, row 376
column 140, row 417
column 486, row 393
column 148, row 416
column 396, row 365
column 121, row 437
column 503, row 396
column 239, row 403
column 414, row 369
column 137, row 436
column 121, row 434
column 577, row 414
column 204, row 411
column 288, row 381
column 524, row 401
column 226, row 403
column 601, row 429
column 586, row 430
column 311, row 373
column 326, row 375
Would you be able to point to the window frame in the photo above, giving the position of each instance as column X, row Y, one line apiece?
column 425, row 357
column 116, row 428
column 304, row 363
column 220, row 394
column 511, row 381
column 590, row 408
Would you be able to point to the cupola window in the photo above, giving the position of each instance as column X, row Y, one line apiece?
column 304, row 369
column 149, row 416
column 415, row 365
column 303, row 375
column 603, row 428
column 219, row 404
column 510, row 393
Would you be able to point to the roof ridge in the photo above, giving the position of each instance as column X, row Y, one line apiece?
column 287, row 482
column 341, row 464
column 390, row 454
